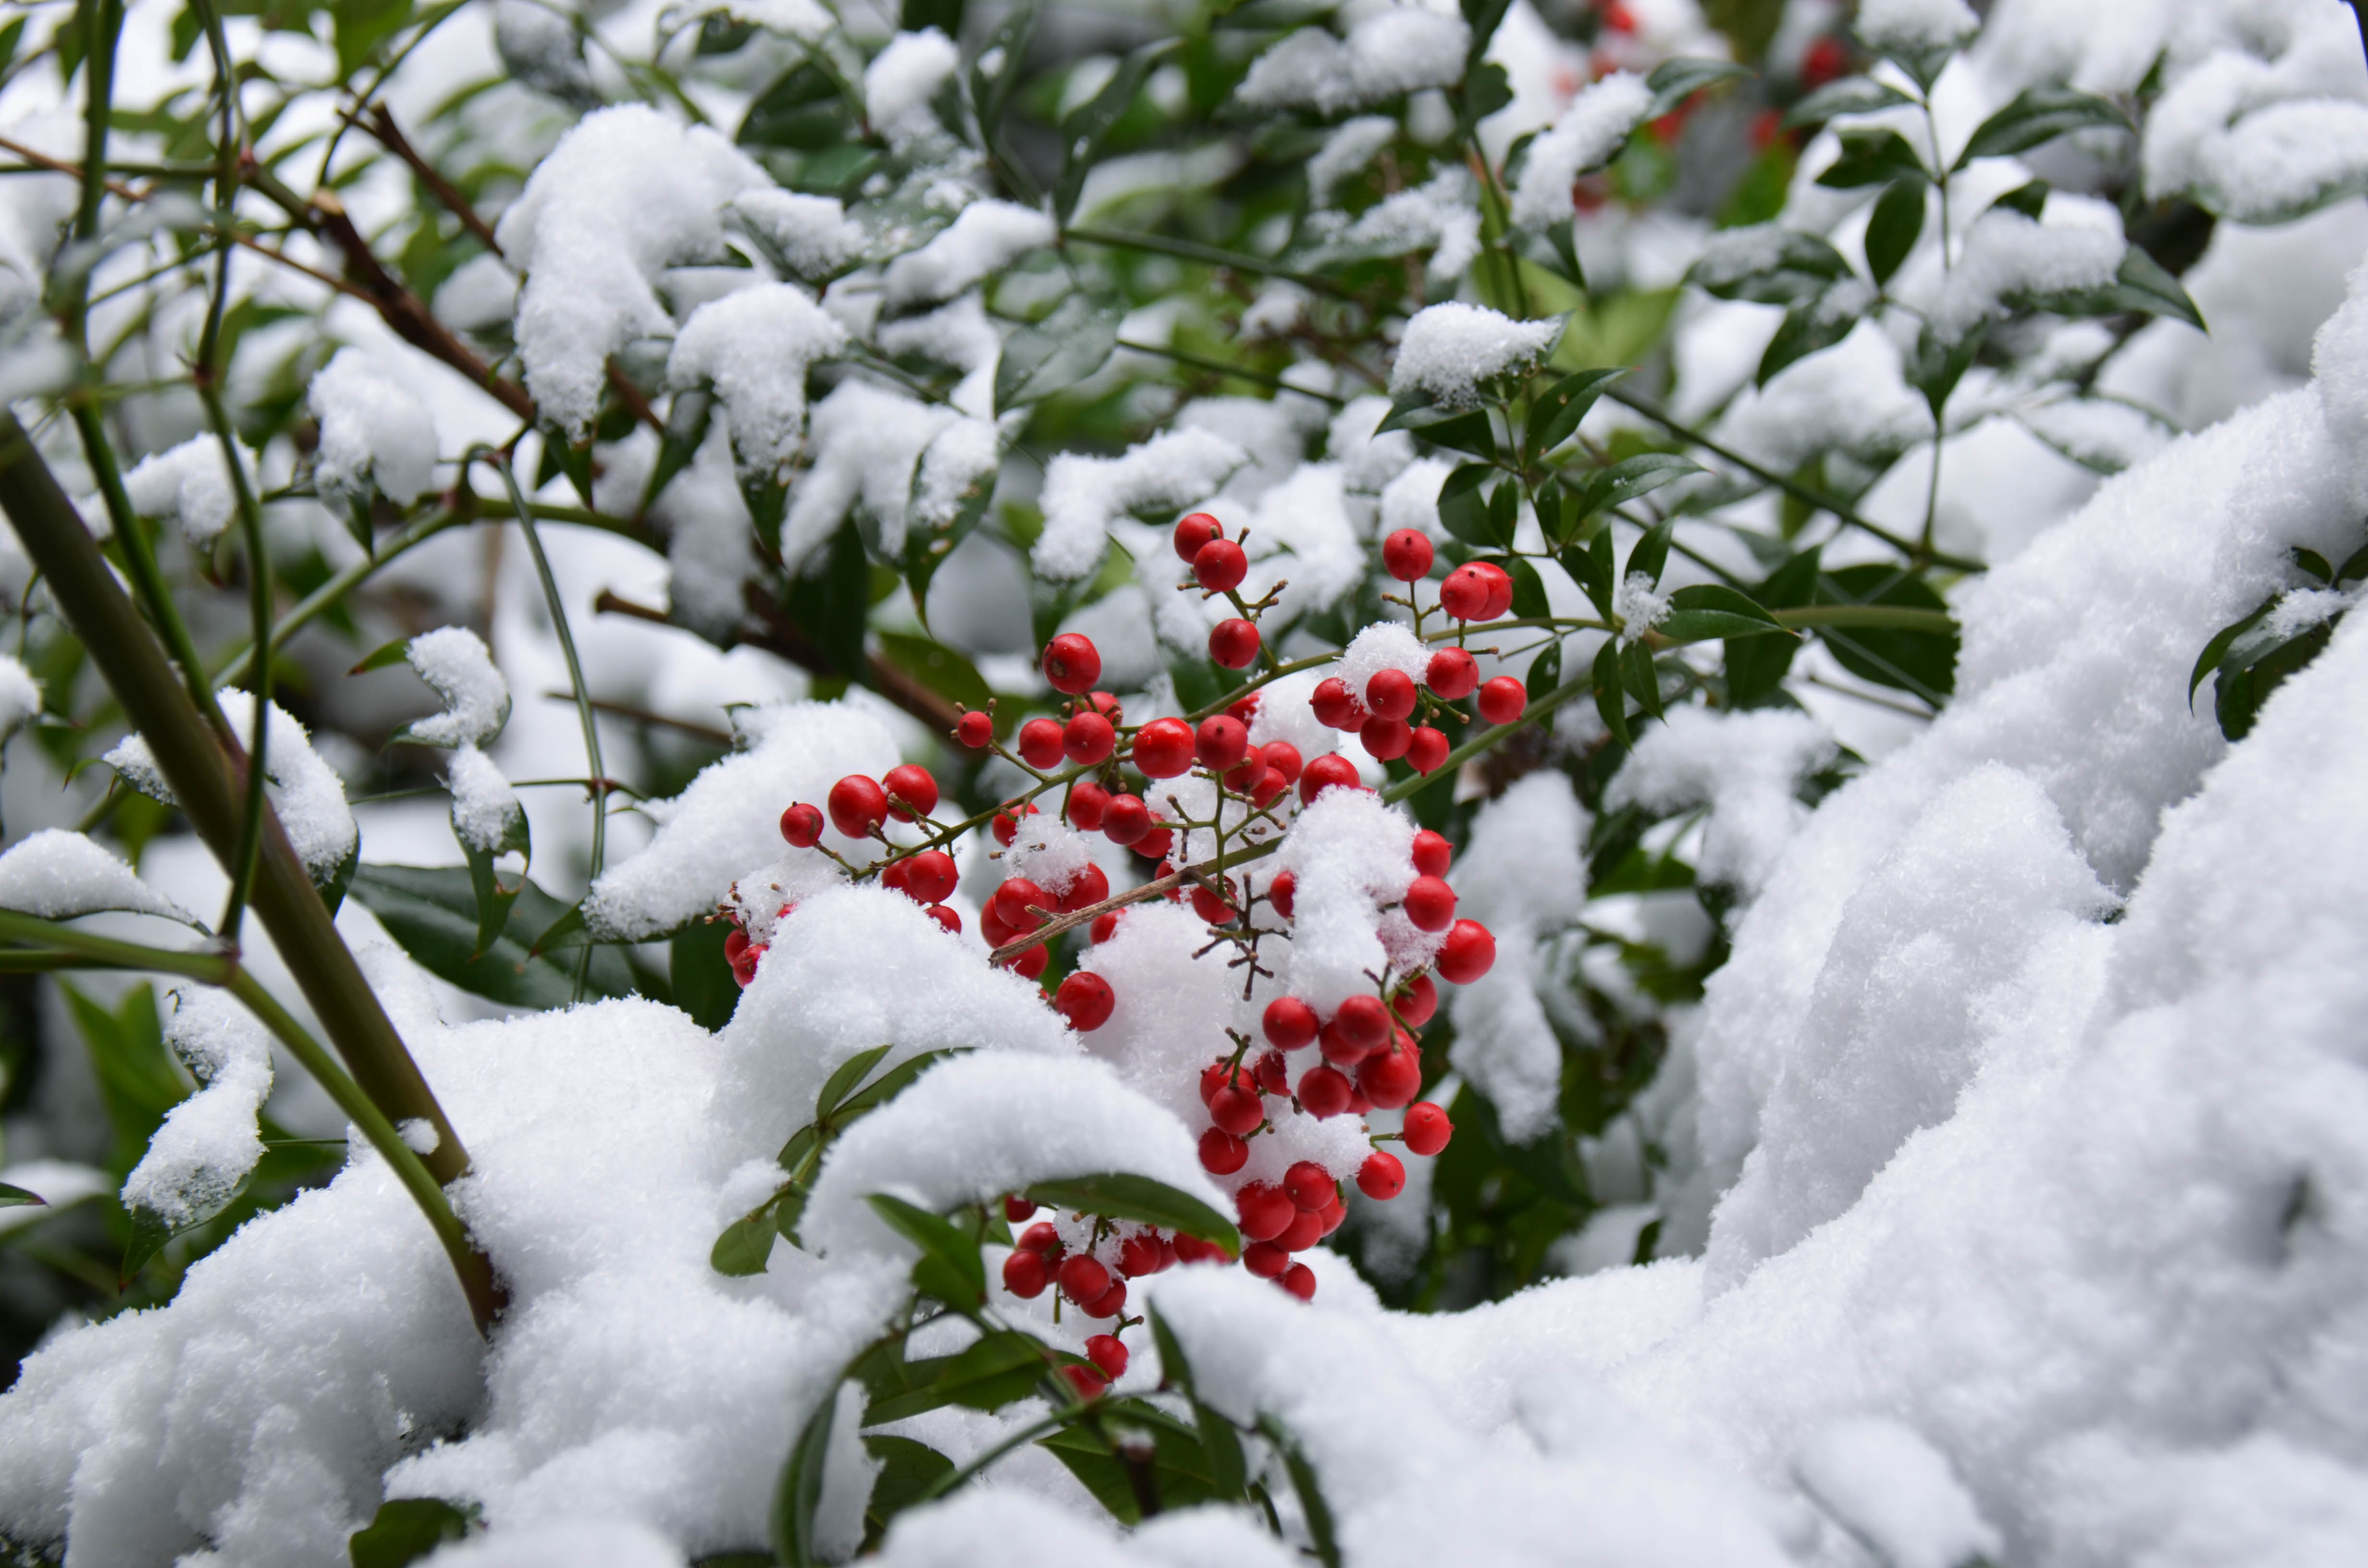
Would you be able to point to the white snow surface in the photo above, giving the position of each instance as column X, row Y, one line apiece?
column 1394, row 48
column 988, row 235
column 1450, row 350
column 902, row 78
column 1083, row 495
column 191, row 484
column 754, row 346
column 20, row 694
column 483, row 804
column 1744, row 767
column 1588, row 136
column 1889, row 1487
column 811, row 234
column 371, row 429
column 311, row 802
column 57, row 875
column 2008, row 255
column 208, row 1142
column 1913, row 27
column 455, row 662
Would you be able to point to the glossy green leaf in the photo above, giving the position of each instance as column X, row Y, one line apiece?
column 18, row 1198
column 1893, row 229
column 1674, row 81
column 1528, row 589
column 384, row 654
column 700, row 975
column 1817, row 323
column 406, row 1529
column 1546, row 672
column 892, row 1082
column 843, row 1079
column 1483, row 17
column 1922, row 662
column 1871, row 155
column 1554, row 418
column 797, row 1495
column 1611, row 699
column 1641, row 677
column 1651, row 554
column 1083, row 128
column 2030, row 198
column 1936, row 367
column 137, row 1083
column 1633, row 478
column 908, row 1470
column 2037, row 116
column 1463, row 504
column 804, row 110
column 1711, row 610
column 1755, row 667
column 1312, row 1506
column 1122, row 1195
column 493, row 894
column 431, row 912
column 948, row 1268
column 1793, row 265
column 991, row 1372
column 1852, row 94
column 1060, row 351
column 746, row 1244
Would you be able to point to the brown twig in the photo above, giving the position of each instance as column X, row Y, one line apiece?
column 1093, row 912
column 630, row 396
column 712, row 735
column 380, row 122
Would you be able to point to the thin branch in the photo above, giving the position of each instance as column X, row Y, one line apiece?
column 707, row 733
column 1061, row 924
column 380, row 122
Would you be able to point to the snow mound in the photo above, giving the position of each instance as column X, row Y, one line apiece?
column 1450, row 350
column 58, row 875
column 371, row 429
column 1397, row 50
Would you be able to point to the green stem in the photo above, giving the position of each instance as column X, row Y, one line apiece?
column 1218, row 367
column 1208, row 256
column 1491, row 736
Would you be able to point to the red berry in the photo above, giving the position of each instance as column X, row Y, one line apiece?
column 1406, row 555
column 912, row 787
column 1390, row 1078
column 1084, row 1000
column 1141, row 1254
column 1502, row 699
column 1426, row 749
column 857, row 805
column 1290, row 1023
column 1192, row 1249
column 1015, row 1208
column 1024, row 1275
column 1126, row 819
column 1104, row 1351
column 1427, row 1129
column 895, row 877
column 1247, row 773
column 1468, row 952
column 1364, row 1023
column 1019, row 903
column 949, row 919
column 1310, row 1185
column 1244, row 707
column 1219, row 565
column 1380, row 1177
column 1386, row 739
column 1088, row 887
column 1196, row 529
column 1041, row 1237
column 735, row 942
column 1084, row 1280
column 1333, row 1215
column 1072, row 663
column 1429, row 903
column 1338, row 1048
column 1109, row 1304
column 991, row 926
column 1211, row 908
column 1103, row 703
column 1222, row 1154
column 1283, row 757
column 1324, row 1091
column 1273, row 1076
column 1163, row 748
column 1271, row 787
column 1300, row 1280
column 1500, row 589
column 1306, row 1228
column 1006, row 825
column 1433, row 853
column 744, row 968
column 1334, row 705
column 1279, row 891
column 930, row 875
column 1088, row 739
column 1390, row 694
column 1464, row 595
column 1236, row 1110
column 1264, row 1210
column 1215, row 1077
column 1031, row 964
column 1452, row 673
column 1088, row 802
column 1220, row 745
column 1324, row 773
column 1039, row 744
column 1104, row 927
column 1265, row 1260
column 802, row 826
column 976, row 730
column 1088, row 1383
column 1417, row 1002
column 1233, row 644
column 1154, row 845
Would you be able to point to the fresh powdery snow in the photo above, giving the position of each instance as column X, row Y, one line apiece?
column 988, row 235
column 455, row 663
column 1915, row 26
column 1588, row 136
column 58, row 875
column 1083, row 495
column 191, row 484
column 754, row 346
column 310, row 800
column 1394, row 49
column 1450, row 350
column 20, row 694
column 371, row 430
column 208, row 1142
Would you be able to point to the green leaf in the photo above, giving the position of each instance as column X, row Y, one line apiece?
column 2039, row 115
column 1312, row 1506
column 1893, row 228
column 908, row 1470
column 406, row 1529
column 1675, row 81
column 1555, row 251
column 844, row 1078
column 1651, row 554
column 1923, row 663
column 1083, row 128
column 18, row 1198
column 797, row 1496
column 1483, row 17
column 993, row 1371
column 137, row 1083
column 805, row 110
column 362, row 26
column 1554, row 418
column 1633, row 478
column 1936, row 367
column 2215, row 650
column 493, row 896
column 1794, row 266
column 1463, row 505
column 926, row 549
column 746, row 1244
column 1546, row 672
column 1871, row 155
column 1641, row 677
column 894, row 1082
column 686, row 432
column 383, row 655
column 1852, row 94
column 948, row 674
column 1710, row 611
column 1529, row 588
column 948, row 1268
column 701, row 976
column 1487, row 88
column 1121, row 1195
column 1611, row 699
column 1059, row 351
column 2030, row 198
column 2146, row 286
column 1813, row 324
column 431, row 912
column 1755, row 667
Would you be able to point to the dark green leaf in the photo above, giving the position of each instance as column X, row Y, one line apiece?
column 1923, row 663
column 925, row 549
column 1643, row 680
column 843, row 1079
column 908, row 1470
column 1709, row 610
column 1790, row 266
column 1632, row 477
column 1852, row 94
column 685, row 431
column 948, row 674
column 1611, row 700
column 150, row 1235
column 136, row 1080
column 1487, row 88
column 1936, row 367
column 1554, row 418
column 494, row 895
column 1675, row 81
column 1755, row 667
column 1813, row 324
column 1546, row 672
column 1483, row 18
column 1121, row 1195
column 831, row 607
column 1893, row 227
column 1312, row 1504
column 892, row 1082
column 431, row 912
column 1871, row 155
column 1554, row 250
column 746, row 1244
column 2030, row 198
column 1529, row 588
column 2039, row 115
column 699, row 974
column 1651, row 554
column 383, row 655
column 407, row 1530
column 797, row 1496
column 993, row 1371
column 1060, row 351
column 1464, row 505
column 1083, row 128
column 1464, row 430
column 362, row 26
column 948, row 1268
column 805, row 110
column 2144, row 285
column 18, row 1198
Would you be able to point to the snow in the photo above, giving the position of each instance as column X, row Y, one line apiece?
column 2262, row 117
column 960, row 455
column 1588, row 136
column 2007, row 254
column 481, row 295
column 1002, row 1527
column 1352, row 145
column 2098, row 433
column 455, row 662
column 866, row 440
column 1411, row 500
column 191, row 484
column 1896, row 1493
column 1450, row 350
column 1639, row 607
column 1744, row 766
column 811, row 234
column 1351, row 855
column 1437, row 216
column 1083, row 495
column 20, row 694
column 1393, row 50
column 311, row 803
column 986, row 237
column 1368, row 462
column 1850, row 397
column 606, row 1542
column 755, row 347
column 902, row 78
column 484, row 807
column 1910, row 27
column 198, row 1160
column 371, row 430
column 58, row 875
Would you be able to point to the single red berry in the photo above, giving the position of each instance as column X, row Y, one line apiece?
column 1825, row 60
column 1090, row 1384
column 1433, row 853
column 1015, row 1208
column 857, row 805
column 1265, row 1260
column 1166, row 1252
column 1072, row 663
column 1417, row 1002
column 1088, row 802
column 1380, row 1177
column 1272, row 1073
column 1300, row 1280
column 1236, row 1110
column 1467, row 954
column 1326, row 772
column 1390, row 694
column 1215, row 1077
column 1324, row 1091
column 1290, row 1023
column 1333, row 1215
column 1163, row 748
column 949, row 919
column 744, row 968
column 1084, row 1000
column 1385, row 740
column 802, row 826
column 1430, row 903
column 1041, row 1237
column 1271, row 787
column 1306, row 1228
column 1219, row 565
column 1196, row 528
column 1020, row 904
column 1283, row 757
column 1006, row 826
column 1280, row 893
column 1233, row 644
column 1500, row 590
column 1336, row 707
column 1126, row 819
column 1029, row 964
column 1220, row 744
column 1222, row 1154
column 975, row 729
column 1088, row 887
column 1338, row 1049
column 1192, row 1249
column 1104, row 927
column 1406, row 555
column 991, row 926
column 1024, row 1275
column 1427, row 1129
column 1452, row 673
column 1154, row 845
column 1109, row 1304
column 930, row 875
column 1139, row 1254
column 1088, row 739
column 896, row 877
column 735, row 942
column 1310, row 1185
column 1502, row 701
column 1244, row 707
column 1390, row 1078
column 1084, row 1280
column 1211, row 908
column 1464, row 595
column 1363, row 1022
column 1264, row 1210
column 1426, row 749
column 1247, row 773
column 1039, row 744
column 912, row 787
column 1104, row 1351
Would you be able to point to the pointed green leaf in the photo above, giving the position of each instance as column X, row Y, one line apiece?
column 1711, row 610
column 894, row 1082
column 1852, row 94
column 1060, row 351
column 1529, row 588
column 1633, row 478
column 993, row 1371
column 1777, row 267
column 797, row 1496
column 1813, row 324
column 1463, row 505
column 1083, row 128
column 1675, row 81
column 406, row 1529
column 431, row 913
column 2039, row 115
column 948, row 1268
column 843, row 1079
column 1121, row 1195
column 746, row 1244
column 909, row 1470
column 1554, row 418
column 1871, row 155
column 1893, row 228
column 1611, row 700
column 18, row 1198
column 1651, row 554
column 1546, row 672
column 383, row 655
column 1313, row 1507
